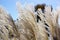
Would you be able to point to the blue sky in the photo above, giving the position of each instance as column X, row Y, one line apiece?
column 10, row 5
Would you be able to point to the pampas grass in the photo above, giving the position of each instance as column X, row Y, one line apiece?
column 7, row 26
column 27, row 27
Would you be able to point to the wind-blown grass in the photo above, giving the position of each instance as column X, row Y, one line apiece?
column 26, row 27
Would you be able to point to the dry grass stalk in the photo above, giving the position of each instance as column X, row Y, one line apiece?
column 26, row 27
